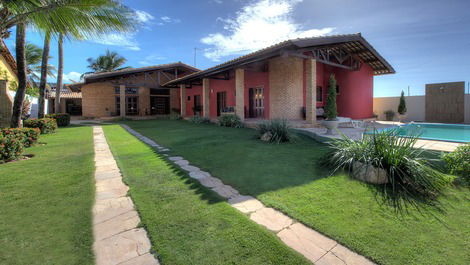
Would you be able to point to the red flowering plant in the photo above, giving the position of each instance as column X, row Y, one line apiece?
column 29, row 136
column 46, row 125
column 11, row 148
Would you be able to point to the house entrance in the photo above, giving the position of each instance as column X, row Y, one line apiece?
column 256, row 102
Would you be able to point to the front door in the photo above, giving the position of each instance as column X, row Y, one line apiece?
column 159, row 105
column 132, row 105
column 221, row 102
column 256, row 102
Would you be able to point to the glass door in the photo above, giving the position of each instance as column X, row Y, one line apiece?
column 132, row 105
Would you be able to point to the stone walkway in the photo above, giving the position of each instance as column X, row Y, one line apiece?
column 316, row 247
column 118, row 241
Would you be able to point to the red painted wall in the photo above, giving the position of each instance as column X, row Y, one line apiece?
column 190, row 92
column 221, row 86
column 255, row 80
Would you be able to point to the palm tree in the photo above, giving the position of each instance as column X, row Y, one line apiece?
column 77, row 18
column 44, row 75
column 111, row 61
column 60, row 73
column 33, row 59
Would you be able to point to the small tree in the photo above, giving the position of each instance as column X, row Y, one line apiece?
column 330, row 108
column 402, row 106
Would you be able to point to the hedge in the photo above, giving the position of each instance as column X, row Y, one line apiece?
column 63, row 119
column 46, row 125
column 29, row 136
column 11, row 147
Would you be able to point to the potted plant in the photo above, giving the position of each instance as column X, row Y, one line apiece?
column 331, row 122
column 402, row 107
column 389, row 115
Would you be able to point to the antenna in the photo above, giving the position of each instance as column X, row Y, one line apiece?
column 408, row 91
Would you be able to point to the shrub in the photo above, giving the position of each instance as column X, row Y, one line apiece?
column 62, row 119
column 402, row 106
column 409, row 173
column 11, row 147
column 46, row 125
column 29, row 136
column 458, row 163
column 199, row 120
column 230, row 120
column 389, row 115
column 330, row 107
column 275, row 131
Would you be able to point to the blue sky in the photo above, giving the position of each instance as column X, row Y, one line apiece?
column 426, row 41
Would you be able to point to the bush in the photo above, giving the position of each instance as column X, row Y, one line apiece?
column 402, row 106
column 46, row 125
column 409, row 173
column 230, row 120
column 458, row 163
column 275, row 131
column 29, row 136
column 330, row 108
column 389, row 115
column 199, row 120
column 62, row 119
column 11, row 147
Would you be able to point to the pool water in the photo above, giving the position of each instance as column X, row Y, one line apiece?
column 436, row 131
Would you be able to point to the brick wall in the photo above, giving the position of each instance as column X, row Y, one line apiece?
column 98, row 100
column 286, row 87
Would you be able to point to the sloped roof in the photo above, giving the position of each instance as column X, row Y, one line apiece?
column 8, row 56
column 65, row 93
column 353, row 43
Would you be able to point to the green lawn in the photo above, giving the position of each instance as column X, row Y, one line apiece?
column 45, row 202
column 288, row 177
column 187, row 223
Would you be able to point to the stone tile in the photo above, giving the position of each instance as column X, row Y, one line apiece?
column 110, row 184
column 330, row 259
column 107, row 209
column 121, row 248
column 106, row 168
column 271, row 219
column 190, row 168
column 164, row 150
column 176, row 158
column 245, row 204
column 146, row 259
column 226, row 191
column 107, row 175
column 116, row 225
column 210, row 182
column 350, row 257
column 182, row 163
column 110, row 194
column 199, row 174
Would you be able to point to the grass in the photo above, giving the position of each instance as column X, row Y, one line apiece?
column 288, row 177
column 45, row 202
column 187, row 223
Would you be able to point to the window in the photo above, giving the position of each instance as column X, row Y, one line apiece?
column 337, row 89
column 319, row 94
column 197, row 108
column 129, row 90
column 118, row 106
column 156, row 91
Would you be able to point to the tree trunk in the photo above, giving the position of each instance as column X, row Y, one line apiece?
column 60, row 71
column 21, row 64
column 43, row 82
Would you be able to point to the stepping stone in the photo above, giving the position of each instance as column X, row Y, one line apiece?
column 146, row 259
column 106, row 168
column 107, row 175
column 245, row 204
column 165, row 150
column 330, row 259
column 112, row 194
column 350, row 257
column 110, row 184
column 182, row 163
column 199, row 174
column 116, row 225
column 190, row 168
column 175, row 158
column 306, row 241
column 122, row 248
column 108, row 209
column 226, row 191
column 210, row 182
column 271, row 219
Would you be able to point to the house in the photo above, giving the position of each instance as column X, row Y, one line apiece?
column 70, row 102
column 288, row 80
column 8, row 79
column 131, row 92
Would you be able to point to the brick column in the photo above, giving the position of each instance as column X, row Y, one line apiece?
column 122, row 96
column 6, row 104
column 205, row 97
column 240, row 93
column 311, row 93
column 183, row 100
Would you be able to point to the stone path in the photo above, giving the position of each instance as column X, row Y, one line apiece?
column 316, row 247
column 118, row 241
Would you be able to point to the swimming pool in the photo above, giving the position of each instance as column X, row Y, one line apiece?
column 436, row 131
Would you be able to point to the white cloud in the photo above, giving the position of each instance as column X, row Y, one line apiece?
column 217, row 1
column 125, row 40
column 72, row 77
column 152, row 59
column 167, row 20
column 256, row 26
column 143, row 16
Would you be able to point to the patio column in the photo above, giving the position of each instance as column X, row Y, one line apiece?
column 205, row 97
column 122, row 98
column 240, row 93
column 311, row 91
column 182, row 100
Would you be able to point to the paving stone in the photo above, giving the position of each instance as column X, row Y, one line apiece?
column 226, row 191
column 146, row 259
column 165, row 150
column 306, row 241
column 210, row 182
column 107, row 175
column 329, row 259
column 182, row 162
column 108, row 209
column 190, row 168
column 176, row 158
column 199, row 174
column 110, row 184
column 106, row 168
column 111, row 194
column 350, row 257
column 121, row 248
column 271, row 219
column 245, row 204
column 116, row 225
